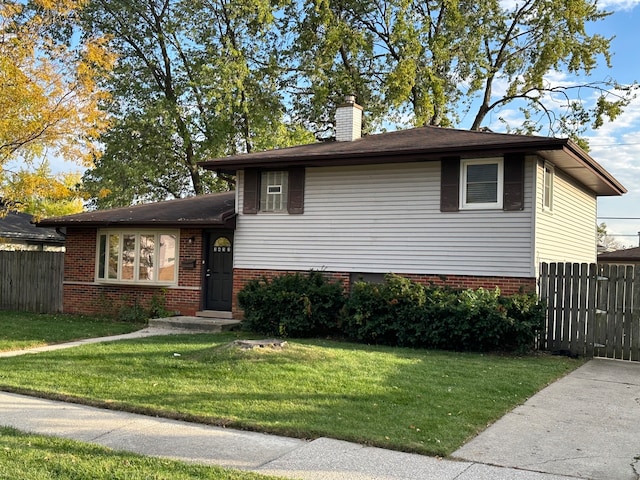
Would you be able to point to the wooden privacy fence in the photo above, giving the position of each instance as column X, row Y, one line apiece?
column 31, row 281
column 592, row 309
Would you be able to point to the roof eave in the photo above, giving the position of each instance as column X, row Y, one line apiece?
column 231, row 165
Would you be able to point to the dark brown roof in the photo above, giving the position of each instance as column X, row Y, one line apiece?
column 425, row 144
column 203, row 210
column 626, row 255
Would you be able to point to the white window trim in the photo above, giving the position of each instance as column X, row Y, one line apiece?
column 463, row 184
column 137, row 233
column 548, row 166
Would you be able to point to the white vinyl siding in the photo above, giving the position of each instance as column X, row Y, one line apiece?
column 387, row 218
column 567, row 233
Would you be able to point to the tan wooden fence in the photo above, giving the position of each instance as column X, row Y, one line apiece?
column 31, row 281
column 592, row 309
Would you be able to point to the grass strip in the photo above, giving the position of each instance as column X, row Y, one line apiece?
column 36, row 457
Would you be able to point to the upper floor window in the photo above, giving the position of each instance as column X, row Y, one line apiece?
column 482, row 183
column 137, row 257
column 547, row 187
column 274, row 191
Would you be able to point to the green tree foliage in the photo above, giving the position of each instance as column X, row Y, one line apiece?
column 200, row 79
column 194, row 80
column 429, row 61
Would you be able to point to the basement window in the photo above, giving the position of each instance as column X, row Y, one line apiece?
column 145, row 257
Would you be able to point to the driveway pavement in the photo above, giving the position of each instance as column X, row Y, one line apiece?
column 585, row 425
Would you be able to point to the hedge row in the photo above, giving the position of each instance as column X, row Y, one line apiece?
column 397, row 312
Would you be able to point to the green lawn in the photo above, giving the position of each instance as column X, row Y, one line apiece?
column 35, row 457
column 20, row 330
column 413, row 400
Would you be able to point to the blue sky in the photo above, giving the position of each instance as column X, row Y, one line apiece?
column 616, row 145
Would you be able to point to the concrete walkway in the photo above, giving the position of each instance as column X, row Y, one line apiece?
column 584, row 426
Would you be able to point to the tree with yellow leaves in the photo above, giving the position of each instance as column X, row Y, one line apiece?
column 49, row 91
column 43, row 194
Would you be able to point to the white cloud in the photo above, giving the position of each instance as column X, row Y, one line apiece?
column 618, row 5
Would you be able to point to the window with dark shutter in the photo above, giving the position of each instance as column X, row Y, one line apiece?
column 251, row 192
column 513, row 182
column 296, row 191
column 449, row 184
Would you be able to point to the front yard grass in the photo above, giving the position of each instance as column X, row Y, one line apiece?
column 36, row 457
column 422, row 401
column 20, row 330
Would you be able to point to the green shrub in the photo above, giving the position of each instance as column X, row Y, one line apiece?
column 292, row 305
column 527, row 315
column 404, row 313
column 398, row 312
column 388, row 313
column 474, row 321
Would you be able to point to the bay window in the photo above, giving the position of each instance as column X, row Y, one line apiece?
column 137, row 257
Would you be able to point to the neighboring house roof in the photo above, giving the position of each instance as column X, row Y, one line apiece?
column 202, row 210
column 428, row 143
column 628, row 255
column 19, row 226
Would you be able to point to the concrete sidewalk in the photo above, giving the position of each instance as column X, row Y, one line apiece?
column 321, row 459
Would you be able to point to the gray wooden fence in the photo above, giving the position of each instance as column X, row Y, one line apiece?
column 31, row 281
column 592, row 309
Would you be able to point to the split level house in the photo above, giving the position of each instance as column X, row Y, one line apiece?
column 463, row 208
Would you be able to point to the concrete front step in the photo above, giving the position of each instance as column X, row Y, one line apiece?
column 189, row 324
column 214, row 314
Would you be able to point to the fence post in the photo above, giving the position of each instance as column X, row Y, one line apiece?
column 635, row 316
column 591, row 294
column 544, row 297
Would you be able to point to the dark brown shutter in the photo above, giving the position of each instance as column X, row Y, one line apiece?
column 251, row 202
column 450, row 184
column 295, row 202
column 513, row 198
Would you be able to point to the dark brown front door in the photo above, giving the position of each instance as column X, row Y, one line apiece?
column 219, row 272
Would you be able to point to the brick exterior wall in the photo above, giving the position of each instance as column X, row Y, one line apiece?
column 81, row 294
column 507, row 285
